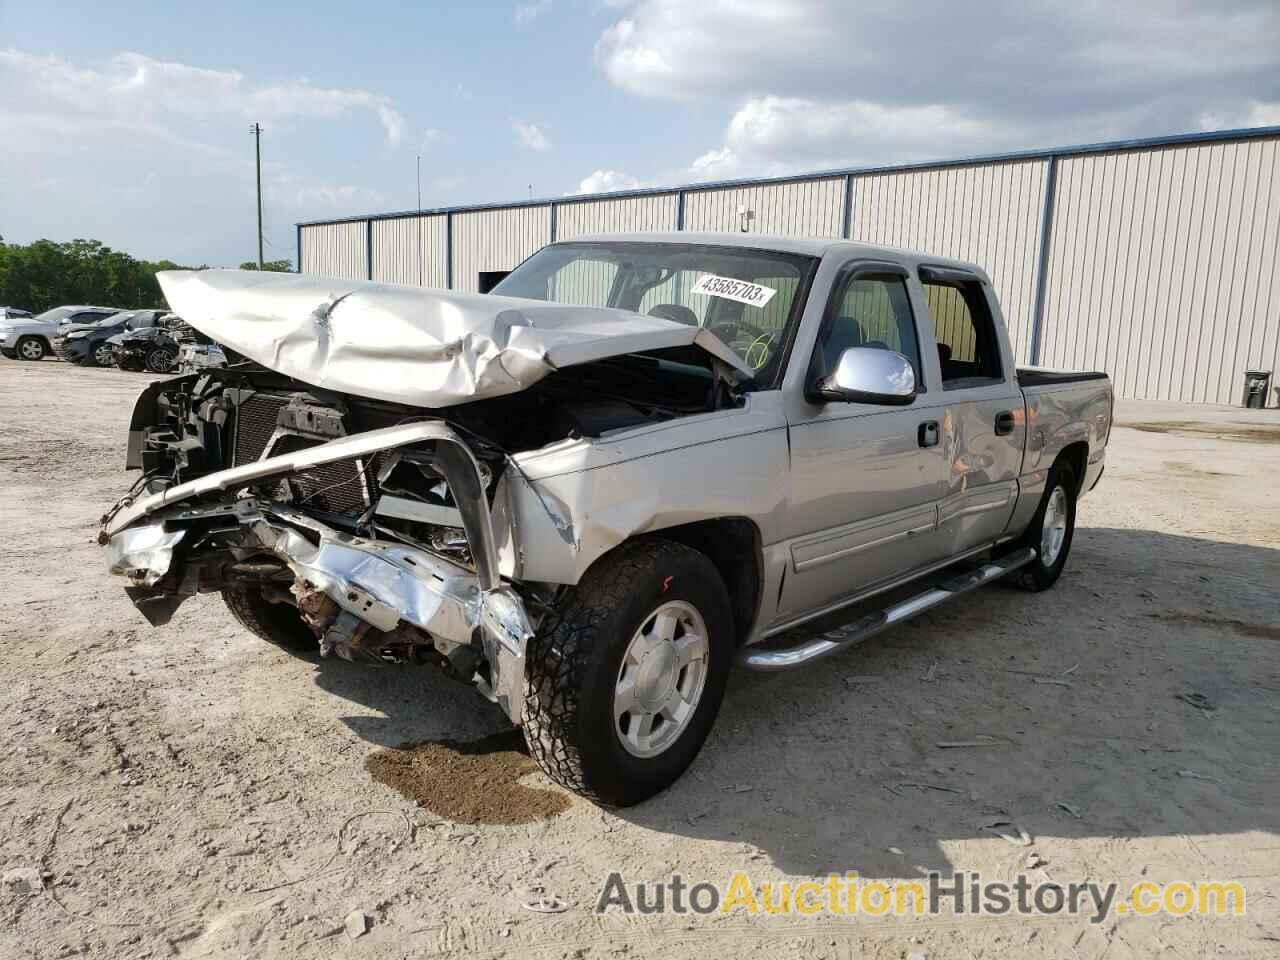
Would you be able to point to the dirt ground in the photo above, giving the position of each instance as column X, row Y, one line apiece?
column 192, row 792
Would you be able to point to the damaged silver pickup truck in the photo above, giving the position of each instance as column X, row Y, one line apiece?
column 641, row 459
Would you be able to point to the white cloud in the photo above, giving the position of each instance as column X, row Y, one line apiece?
column 531, row 136
column 824, row 81
column 526, row 13
column 1256, row 114
column 303, row 193
column 157, row 156
column 677, row 48
column 721, row 164
column 778, row 135
column 431, row 137
column 135, row 89
column 607, row 181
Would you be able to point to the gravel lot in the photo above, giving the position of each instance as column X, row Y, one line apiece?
column 193, row 792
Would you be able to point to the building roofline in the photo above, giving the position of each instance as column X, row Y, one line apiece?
column 1107, row 146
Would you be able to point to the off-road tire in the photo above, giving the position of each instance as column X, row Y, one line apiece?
column 21, row 353
column 278, row 623
column 1036, row 576
column 572, row 665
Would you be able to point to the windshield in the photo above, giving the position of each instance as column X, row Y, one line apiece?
column 54, row 315
column 749, row 298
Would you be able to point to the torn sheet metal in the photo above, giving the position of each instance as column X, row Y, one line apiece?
column 144, row 553
column 427, row 348
column 297, row 461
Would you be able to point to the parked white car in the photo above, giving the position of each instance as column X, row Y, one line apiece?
column 32, row 339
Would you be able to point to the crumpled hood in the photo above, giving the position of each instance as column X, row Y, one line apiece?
column 428, row 348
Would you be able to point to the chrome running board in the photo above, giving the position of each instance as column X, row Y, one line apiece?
column 851, row 634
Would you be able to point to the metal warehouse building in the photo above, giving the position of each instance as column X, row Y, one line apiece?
column 1156, row 260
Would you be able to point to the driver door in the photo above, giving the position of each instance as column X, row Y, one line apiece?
column 866, row 478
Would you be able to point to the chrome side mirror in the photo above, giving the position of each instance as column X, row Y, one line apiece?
column 870, row 375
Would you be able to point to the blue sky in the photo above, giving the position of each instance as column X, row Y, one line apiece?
column 129, row 122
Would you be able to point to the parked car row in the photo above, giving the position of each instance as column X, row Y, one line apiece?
column 153, row 340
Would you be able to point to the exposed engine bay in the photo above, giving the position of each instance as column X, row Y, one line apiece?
column 372, row 519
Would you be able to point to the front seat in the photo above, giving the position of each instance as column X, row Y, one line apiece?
column 845, row 333
column 676, row 312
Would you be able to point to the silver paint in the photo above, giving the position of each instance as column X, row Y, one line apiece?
column 425, row 348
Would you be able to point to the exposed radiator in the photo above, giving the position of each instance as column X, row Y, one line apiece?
column 255, row 423
column 347, row 486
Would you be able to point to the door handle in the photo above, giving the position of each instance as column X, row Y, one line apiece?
column 927, row 435
column 1005, row 423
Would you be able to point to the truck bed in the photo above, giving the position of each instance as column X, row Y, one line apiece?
column 1039, row 376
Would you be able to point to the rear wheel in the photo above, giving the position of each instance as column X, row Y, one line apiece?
column 1051, row 530
column 278, row 623
column 624, row 680
column 31, row 348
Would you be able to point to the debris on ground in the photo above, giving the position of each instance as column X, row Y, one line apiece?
column 1008, row 830
column 980, row 741
column 357, row 923
column 927, row 786
column 1197, row 700
column 24, row 881
column 548, row 903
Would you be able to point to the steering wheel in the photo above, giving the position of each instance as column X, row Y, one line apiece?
column 760, row 343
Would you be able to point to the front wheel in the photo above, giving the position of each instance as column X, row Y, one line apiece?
column 160, row 360
column 101, row 356
column 1051, row 530
column 31, row 348
column 278, row 623
column 624, row 679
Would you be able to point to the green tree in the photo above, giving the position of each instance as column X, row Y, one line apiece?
column 274, row 266
column 44, row 274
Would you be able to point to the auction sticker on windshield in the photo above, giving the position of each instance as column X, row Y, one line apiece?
column 752, row 294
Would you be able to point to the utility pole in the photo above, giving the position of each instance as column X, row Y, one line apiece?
column 257, row 156
column 417, row 224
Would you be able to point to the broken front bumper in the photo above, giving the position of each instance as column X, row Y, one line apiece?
column 378, row 584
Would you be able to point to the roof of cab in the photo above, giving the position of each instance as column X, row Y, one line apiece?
column 804, row 246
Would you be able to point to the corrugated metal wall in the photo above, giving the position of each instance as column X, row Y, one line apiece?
column 335, row 250
column 411, row 250
column 812, row 208
column 1162, row 265
column 615, row 216
column 486, row 240
column 1163, row 268
column 988, row 214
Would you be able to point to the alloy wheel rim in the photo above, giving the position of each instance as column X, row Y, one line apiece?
column 32, row 350
column 160, row 361
column 661, row 679
column 102, row 355
column 1053, row 531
